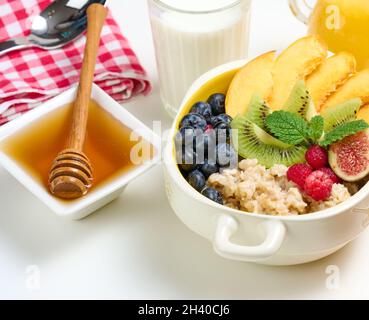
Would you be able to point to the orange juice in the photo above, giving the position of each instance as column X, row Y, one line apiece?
column 343, row 24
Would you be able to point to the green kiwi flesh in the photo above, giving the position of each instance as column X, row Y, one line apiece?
column 300, row 102
column 252, row 142
column 344, row 112
column 257, row 111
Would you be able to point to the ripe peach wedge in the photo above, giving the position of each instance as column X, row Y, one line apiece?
column 331, row 74
column 254, row 77
column 298, row 61
column 363, row 113
column 356, row 87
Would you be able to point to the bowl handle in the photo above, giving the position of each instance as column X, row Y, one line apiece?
column 228, row 226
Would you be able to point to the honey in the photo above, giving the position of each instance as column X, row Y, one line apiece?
column 108, row 145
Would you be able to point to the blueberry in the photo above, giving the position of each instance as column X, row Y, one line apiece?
column 197, row 180
column 206, row 144
column 217, row 102
column 223, row 132
column 212, row 194
column 226, row 156
column 202, row 108
column 187, row 136
column 187, row 160
column 208, row 168
column 220, row 118
column 194, row 120
column 214, row 121
column 223, row 125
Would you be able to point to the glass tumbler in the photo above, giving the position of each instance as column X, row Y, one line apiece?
column 193, row 36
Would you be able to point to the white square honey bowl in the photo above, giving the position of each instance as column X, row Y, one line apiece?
column 98, row 197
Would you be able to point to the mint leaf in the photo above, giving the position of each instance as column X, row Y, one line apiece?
column 316, row 127
column 287, row 127
column 342, row 131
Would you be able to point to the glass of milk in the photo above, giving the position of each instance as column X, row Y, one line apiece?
column 193, row 36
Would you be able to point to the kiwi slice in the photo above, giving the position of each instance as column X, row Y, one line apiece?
column 252, row 142
column 344, row 112
column 300, row 101
column 257, row 111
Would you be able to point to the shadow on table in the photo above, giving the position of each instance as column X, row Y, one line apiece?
column 193, row 269
column 182, row 262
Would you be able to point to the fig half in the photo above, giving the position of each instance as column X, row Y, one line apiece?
column 349, row 158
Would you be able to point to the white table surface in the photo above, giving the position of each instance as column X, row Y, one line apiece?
column 136, row 247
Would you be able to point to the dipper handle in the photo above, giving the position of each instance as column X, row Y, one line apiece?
column 70, row 176
column 96, row 14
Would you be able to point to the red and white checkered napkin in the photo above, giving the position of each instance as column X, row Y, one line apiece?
column 30, row 76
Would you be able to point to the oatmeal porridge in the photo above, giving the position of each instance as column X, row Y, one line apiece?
column 254, row 188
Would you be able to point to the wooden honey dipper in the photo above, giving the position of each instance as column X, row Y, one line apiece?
column 70, row 176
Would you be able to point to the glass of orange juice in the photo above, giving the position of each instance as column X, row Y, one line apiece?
column 343, row 24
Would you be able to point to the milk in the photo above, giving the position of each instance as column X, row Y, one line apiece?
column 193, row 36
column 198, row 5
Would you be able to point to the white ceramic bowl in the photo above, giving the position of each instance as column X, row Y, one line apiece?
column 254, row 237
column 98, row 197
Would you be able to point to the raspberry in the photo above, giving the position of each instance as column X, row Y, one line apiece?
column 316, row 157
column 208, row 128
column 298, row 173
column 331, row 174
column 318, row 185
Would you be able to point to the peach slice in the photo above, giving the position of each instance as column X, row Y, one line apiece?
column 356, row 87
column 364, row 113
column 332, row 73
column 254, row 77
column 295, row 63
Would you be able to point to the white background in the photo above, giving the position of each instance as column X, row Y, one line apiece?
column 136, row 247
